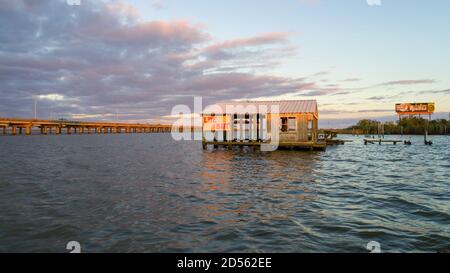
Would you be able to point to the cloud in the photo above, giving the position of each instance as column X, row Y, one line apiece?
column 409, row 82
column 101, row 58
column 444, row 91
column 51, row 97
column 376, row 111
column 262, row 39
column 352, row 80
column 321, row 73
column 376, row 98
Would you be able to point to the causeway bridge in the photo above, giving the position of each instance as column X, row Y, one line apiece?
column 17, row 126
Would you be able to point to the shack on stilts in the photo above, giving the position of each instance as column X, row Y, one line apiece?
column 286, row 124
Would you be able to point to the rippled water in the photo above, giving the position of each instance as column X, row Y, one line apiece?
column 147, row 193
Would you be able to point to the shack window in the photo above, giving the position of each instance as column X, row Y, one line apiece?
column 284, row 124
column 288, row 124
column 310, row 124
column 292, row 125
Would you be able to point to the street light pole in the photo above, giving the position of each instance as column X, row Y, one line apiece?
column 35, row 108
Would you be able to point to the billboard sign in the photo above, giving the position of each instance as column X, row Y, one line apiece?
column 415, row 108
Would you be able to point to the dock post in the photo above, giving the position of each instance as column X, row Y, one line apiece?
column 28, row 130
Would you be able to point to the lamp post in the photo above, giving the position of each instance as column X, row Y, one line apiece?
column 35, row 107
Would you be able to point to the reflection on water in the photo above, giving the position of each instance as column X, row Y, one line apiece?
column 266, row 186
column 147, row 193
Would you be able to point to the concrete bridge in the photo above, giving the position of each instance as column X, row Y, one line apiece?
column 16, row 126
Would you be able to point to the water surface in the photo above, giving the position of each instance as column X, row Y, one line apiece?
column 148, row 193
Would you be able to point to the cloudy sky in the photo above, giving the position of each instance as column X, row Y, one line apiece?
column 133, row 60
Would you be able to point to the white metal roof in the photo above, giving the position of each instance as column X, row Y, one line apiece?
column 285, row 106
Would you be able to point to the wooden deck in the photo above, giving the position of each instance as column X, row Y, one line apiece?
column 311, row 146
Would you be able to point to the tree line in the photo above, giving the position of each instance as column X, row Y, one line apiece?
column 410, row 126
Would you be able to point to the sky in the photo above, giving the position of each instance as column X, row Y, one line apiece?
column 134, row 60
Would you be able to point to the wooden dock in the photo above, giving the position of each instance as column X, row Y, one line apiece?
column 311, row 146
column 337, row 141
column 25, row 126
column 380, row 141
column 329, row 136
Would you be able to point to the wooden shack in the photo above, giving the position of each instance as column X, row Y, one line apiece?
column 292, row 124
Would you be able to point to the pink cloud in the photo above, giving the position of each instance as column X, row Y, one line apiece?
column 352, row 80
column 263, row 39
column 409, row 82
